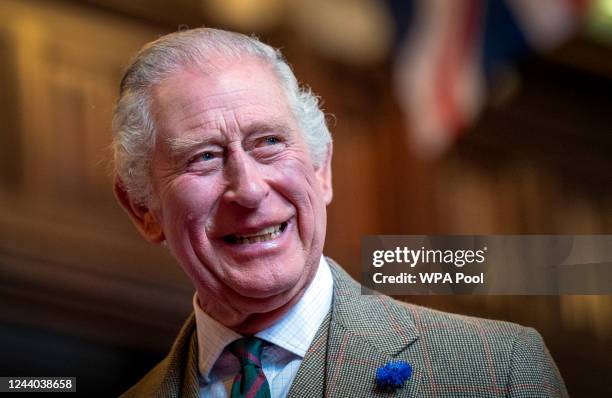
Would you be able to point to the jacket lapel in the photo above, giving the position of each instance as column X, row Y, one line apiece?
column 362, row 333
column 365, row 333
column 309, row 380
column 181, row 372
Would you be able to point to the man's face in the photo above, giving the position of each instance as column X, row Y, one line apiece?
column 239, row 201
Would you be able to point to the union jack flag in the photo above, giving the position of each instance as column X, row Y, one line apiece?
column 449, row 52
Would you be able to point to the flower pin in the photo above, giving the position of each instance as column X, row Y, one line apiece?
column 393, row 375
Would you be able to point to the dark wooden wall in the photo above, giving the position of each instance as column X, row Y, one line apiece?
column 81, row 294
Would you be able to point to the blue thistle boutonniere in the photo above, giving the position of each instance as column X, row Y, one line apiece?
column 393, row 375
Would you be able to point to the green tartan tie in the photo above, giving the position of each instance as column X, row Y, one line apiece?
column 251, row 381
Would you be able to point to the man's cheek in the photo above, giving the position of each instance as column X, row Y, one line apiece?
column 298, row 173
column 192, row 195
column 183, row 214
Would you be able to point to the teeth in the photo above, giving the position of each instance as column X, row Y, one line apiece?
column 260, row 236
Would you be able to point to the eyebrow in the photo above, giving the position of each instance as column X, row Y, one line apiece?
column 184, row 144
column 181, row 145
column 268, row 127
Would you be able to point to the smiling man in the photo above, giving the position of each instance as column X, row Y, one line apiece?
column 238, row 199
column 225, row 159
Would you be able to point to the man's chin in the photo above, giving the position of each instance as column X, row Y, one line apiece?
column 262, row 320
column 266, row 277
column 267, row 289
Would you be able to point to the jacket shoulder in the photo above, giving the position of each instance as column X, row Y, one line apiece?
column 509, row 357
column 429, row 319
column 150, row 383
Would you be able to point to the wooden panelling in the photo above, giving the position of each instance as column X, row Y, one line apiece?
column 65, row 247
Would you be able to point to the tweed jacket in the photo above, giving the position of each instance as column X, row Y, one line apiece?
column 451, row 355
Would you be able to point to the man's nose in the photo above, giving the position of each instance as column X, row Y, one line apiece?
column 247, row 186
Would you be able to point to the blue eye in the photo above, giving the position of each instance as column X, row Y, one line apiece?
column 272, row 140
column 207, row 156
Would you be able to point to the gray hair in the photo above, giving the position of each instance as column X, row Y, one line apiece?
column 134, row 127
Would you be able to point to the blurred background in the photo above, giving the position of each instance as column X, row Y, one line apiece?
column 449, row 117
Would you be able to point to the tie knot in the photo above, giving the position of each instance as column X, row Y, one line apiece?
column 247, row 350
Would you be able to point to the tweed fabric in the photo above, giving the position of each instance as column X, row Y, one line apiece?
column 310, row 378
column 451, row 355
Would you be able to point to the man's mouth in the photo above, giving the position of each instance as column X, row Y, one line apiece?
column 263, row 235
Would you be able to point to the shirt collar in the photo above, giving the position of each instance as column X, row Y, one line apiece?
column 294, row 332
column 212, row 339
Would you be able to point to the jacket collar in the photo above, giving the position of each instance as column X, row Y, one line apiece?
column 364, row 332
column 381, row 322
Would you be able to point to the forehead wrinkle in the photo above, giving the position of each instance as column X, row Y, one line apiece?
column 187, row 142
column 200, row 102
column 169, row 103
column 197, row 115
column 232, row 118
column 201, row 118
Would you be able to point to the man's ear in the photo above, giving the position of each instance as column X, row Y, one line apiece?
column 145, row 221
column 324, row 175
